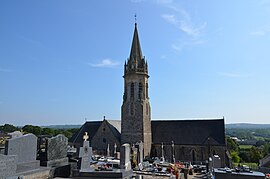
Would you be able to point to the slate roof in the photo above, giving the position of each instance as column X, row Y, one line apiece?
column 115, row 126
column 182, row 132
column 189, row 132
column 90, row 126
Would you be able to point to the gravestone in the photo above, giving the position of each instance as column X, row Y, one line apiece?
column 8, row 165
column 216, row 161
column 25, row 147
column 86, row 153
column 134, row 154
column 56, row 151
column 15, row 134
column 162, row 159
column 108, row 150
column 125, row 157
column 115, row 147
column 140, row 152
column 88, row 172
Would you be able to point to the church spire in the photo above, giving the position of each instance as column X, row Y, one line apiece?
column 136, row 61
column 136, row 52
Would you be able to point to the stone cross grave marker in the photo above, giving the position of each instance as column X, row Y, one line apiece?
column 85, row 137
column 86, row 154
column 162, row 152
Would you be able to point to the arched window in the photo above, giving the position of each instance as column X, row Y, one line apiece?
column 193, row 155
column 132, row 90
column 131, row 109
column 140, row 90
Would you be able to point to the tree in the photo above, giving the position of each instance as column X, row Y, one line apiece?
column 8, row 128
column 32, row 129
column 255, row 154
column 244, row 156
column 232, row 145
column 259, row 143
column 47, row 131
column 266, row 149
column 235, row 157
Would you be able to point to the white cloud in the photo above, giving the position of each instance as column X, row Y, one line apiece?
column 136, row 1
column 5, row 70
column 163, row 57
column 164, row 1
column 191, row 31
column 108, row 63
column 185, row 25
column 232, row 75
column 177, row 47
column 258, row 33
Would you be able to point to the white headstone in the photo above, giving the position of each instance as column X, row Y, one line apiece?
column 140, row 152
column 15, row 134
column 108, row 150
column 125, row 157
column 115, row 147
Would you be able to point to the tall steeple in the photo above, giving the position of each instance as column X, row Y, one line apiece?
column 136, row 61
column 135, row 52
column 136, row 111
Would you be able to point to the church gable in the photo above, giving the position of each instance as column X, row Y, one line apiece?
column 106, row 135
column 90, row 127
column 210, row 141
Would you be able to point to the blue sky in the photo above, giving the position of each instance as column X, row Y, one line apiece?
column 62, row 61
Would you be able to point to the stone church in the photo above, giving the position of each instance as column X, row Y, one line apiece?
column 181, row 140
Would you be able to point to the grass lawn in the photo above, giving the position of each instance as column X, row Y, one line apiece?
column 245, row 146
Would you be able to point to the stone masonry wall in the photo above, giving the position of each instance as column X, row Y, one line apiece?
column 102, row 138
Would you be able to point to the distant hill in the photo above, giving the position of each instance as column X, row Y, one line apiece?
column 247, row 126
column 228, row 126
column 62, row 126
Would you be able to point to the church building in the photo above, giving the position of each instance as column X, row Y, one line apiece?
column 177, row 140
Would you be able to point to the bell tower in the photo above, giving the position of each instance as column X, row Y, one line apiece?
column 136, row 111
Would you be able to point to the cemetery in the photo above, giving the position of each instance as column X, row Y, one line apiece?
column 19, row 160
column 24, row 157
